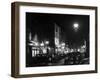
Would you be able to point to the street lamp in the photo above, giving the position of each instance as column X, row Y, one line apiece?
column 42, row 44
column 46, row 42
column 76, row 26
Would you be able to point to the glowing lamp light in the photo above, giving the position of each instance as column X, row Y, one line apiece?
column 63, row 44
column 42, row 44
column 46, row 42
column 36, row 44
column 76, row 26
column 63, row 47
column 78, row 50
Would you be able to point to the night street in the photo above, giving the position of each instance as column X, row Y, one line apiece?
column 56, row 39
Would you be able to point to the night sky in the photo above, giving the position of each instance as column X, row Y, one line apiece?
column 42, row 24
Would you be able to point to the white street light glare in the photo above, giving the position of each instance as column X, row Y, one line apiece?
column 76, row 25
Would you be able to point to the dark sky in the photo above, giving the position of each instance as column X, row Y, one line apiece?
column 43, row 25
